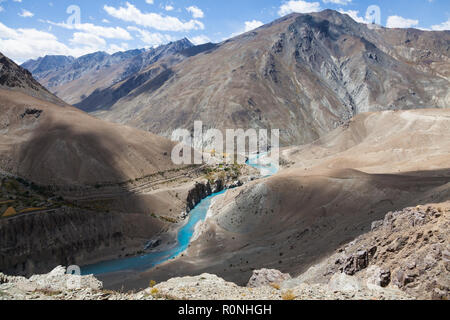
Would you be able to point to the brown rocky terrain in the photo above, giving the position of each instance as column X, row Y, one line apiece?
column 76, row 189
column 305, row 74
column 48, row 144
column 57, row 285
column 408, row 249
column 327, row 195
column 404, row 256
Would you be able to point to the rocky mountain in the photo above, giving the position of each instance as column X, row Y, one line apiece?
column 304, row 73
column 15, row 78
column 74, row 79
column 51, row 63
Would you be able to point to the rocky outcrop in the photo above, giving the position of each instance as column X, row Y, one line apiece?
column 197, row 194
column 409, row 249
column 357, row 261
column 57, row 285
column 266, row 277
column 56, row 280
column 204, row 189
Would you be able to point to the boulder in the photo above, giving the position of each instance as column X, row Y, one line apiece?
column 357, row 262
column 265, row 277
column 378, row 276
column 344, row 283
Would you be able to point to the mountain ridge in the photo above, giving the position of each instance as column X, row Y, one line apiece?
column 303, row 73
column 74, row 79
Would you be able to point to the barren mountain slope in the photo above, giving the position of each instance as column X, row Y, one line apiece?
column 382, row 142
column 15, row 78
column 53, row 144
column 48, row 144
column 302, row 214
column 304, row 74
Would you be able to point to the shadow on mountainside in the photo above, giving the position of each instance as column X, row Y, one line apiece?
column 303, row 220
column 104, row 99
column 76, row 157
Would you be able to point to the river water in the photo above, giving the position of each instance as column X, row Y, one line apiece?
column 184, row 236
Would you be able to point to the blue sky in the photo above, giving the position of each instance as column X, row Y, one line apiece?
column 33, row 28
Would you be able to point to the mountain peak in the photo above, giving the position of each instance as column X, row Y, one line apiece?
column 15, row 77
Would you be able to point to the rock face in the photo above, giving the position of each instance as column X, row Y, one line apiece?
column 201, row 191
column 266, row 277
column 357, row 262
column 70, row 236
column 409, row 250
column 305, row 74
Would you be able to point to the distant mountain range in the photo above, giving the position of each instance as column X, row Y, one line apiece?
column 304, row 74
column 75, row 79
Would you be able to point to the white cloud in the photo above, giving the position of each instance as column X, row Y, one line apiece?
column 152, row 20
column 250, row 25
column 149, row 1
column 104, row 32
column 23, row 44
column 26, row 14
column 354, row 14
column 168, row 7
column 400, row 22
column 202, row 39
column 1, row 9
column 196, row 12
column 152, row 38
column 88, row 40
column 298, row 6
column 341, row 2
column 443, row 26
